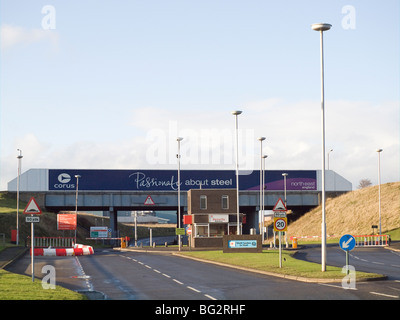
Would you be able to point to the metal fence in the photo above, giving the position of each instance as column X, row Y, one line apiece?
column 377, row 240
column 54, row 242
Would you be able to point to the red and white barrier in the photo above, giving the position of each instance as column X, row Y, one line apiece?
column 77, row 250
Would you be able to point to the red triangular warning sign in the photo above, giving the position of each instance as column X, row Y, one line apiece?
column 32, row 207
column 149, row 201
column 279, row 206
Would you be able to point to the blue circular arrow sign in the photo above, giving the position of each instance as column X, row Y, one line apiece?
column 347, row 242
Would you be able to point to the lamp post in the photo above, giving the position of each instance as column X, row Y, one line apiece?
column 19, row 157
column 379, row 188
column 284, row 186
column 77, row 176
column 236, row 113
column 178, row 156
column 263, row 192
column 321, row 27
column 328, row 156
column 260, row 215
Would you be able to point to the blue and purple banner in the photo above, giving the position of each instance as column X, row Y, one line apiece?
column 167, row 180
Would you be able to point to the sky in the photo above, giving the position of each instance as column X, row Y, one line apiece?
column 111, row 84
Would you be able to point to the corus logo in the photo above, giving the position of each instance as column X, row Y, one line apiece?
column 64, row 178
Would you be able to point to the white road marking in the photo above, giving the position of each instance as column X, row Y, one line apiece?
column 177, row 281
column 191, row 288
column 210, row 297
column 384, row 295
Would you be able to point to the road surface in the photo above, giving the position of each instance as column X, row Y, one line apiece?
column 142, row 276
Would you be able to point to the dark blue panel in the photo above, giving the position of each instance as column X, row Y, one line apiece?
column 166, row 180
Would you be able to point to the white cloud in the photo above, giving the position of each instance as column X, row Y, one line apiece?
column 12, row 36
column 354, row 130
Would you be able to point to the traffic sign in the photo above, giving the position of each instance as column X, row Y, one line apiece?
column 32, row 219
column 279, row 206
column 32, row 207
column 280, row 224
column 180, row 231
column 149, row 201
column 347, row 242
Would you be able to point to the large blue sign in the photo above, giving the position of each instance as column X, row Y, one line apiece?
column 167, row 180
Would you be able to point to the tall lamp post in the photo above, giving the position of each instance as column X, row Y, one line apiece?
column 379, row 187
column 321, row 27
column 261, row 212
column 236, row 113
column 328, row 156
column 19, row 157
column 284, row 186
column 179, row 139
column 263, row 192
column 77, row 176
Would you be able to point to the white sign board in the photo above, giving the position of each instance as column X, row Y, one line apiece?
column 218, row 218
column 99, row 232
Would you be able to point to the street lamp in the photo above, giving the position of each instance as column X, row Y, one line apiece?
column 379, row 187
column 19, row 157
column 321, row 27
column 179, row 139
column 328, row 156
column 260, row 215
column 236, row 113
column 263, row 191
column 284, row 186
column 77, row 176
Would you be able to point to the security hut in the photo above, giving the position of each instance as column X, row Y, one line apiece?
column 211, row 215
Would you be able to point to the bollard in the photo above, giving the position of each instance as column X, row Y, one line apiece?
column 294, row 243
column 166, row 244
column 154, row 244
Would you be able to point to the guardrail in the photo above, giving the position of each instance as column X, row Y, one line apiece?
column 374, row 240
column 54, row 242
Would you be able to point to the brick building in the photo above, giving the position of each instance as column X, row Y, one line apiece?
column 212, row 214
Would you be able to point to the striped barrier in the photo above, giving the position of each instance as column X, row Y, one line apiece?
column 77, row 250
column 376, row 240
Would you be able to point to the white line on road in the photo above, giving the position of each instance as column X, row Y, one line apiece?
column 155, row 270
column 191, row 288
column 384, row 295
column 165, row 275
column 177, row 281
column 147, row 266
column 210, row 297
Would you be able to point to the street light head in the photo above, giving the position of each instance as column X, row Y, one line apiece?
column 179, row 139
column 285, row 174
column 261, row 138
column 321, row 26
column 236, row 112
column 379, row 150
column 77, row 176
column 265, row 157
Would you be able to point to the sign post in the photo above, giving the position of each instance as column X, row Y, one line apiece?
column 280, row 224
column 347, row 243
column 32, row 208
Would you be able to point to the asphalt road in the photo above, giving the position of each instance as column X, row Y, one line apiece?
column 142, row 276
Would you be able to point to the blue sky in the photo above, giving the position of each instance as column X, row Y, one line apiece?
column 114, row 83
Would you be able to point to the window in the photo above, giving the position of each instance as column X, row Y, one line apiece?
column 203, row 202
column 225, row 202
